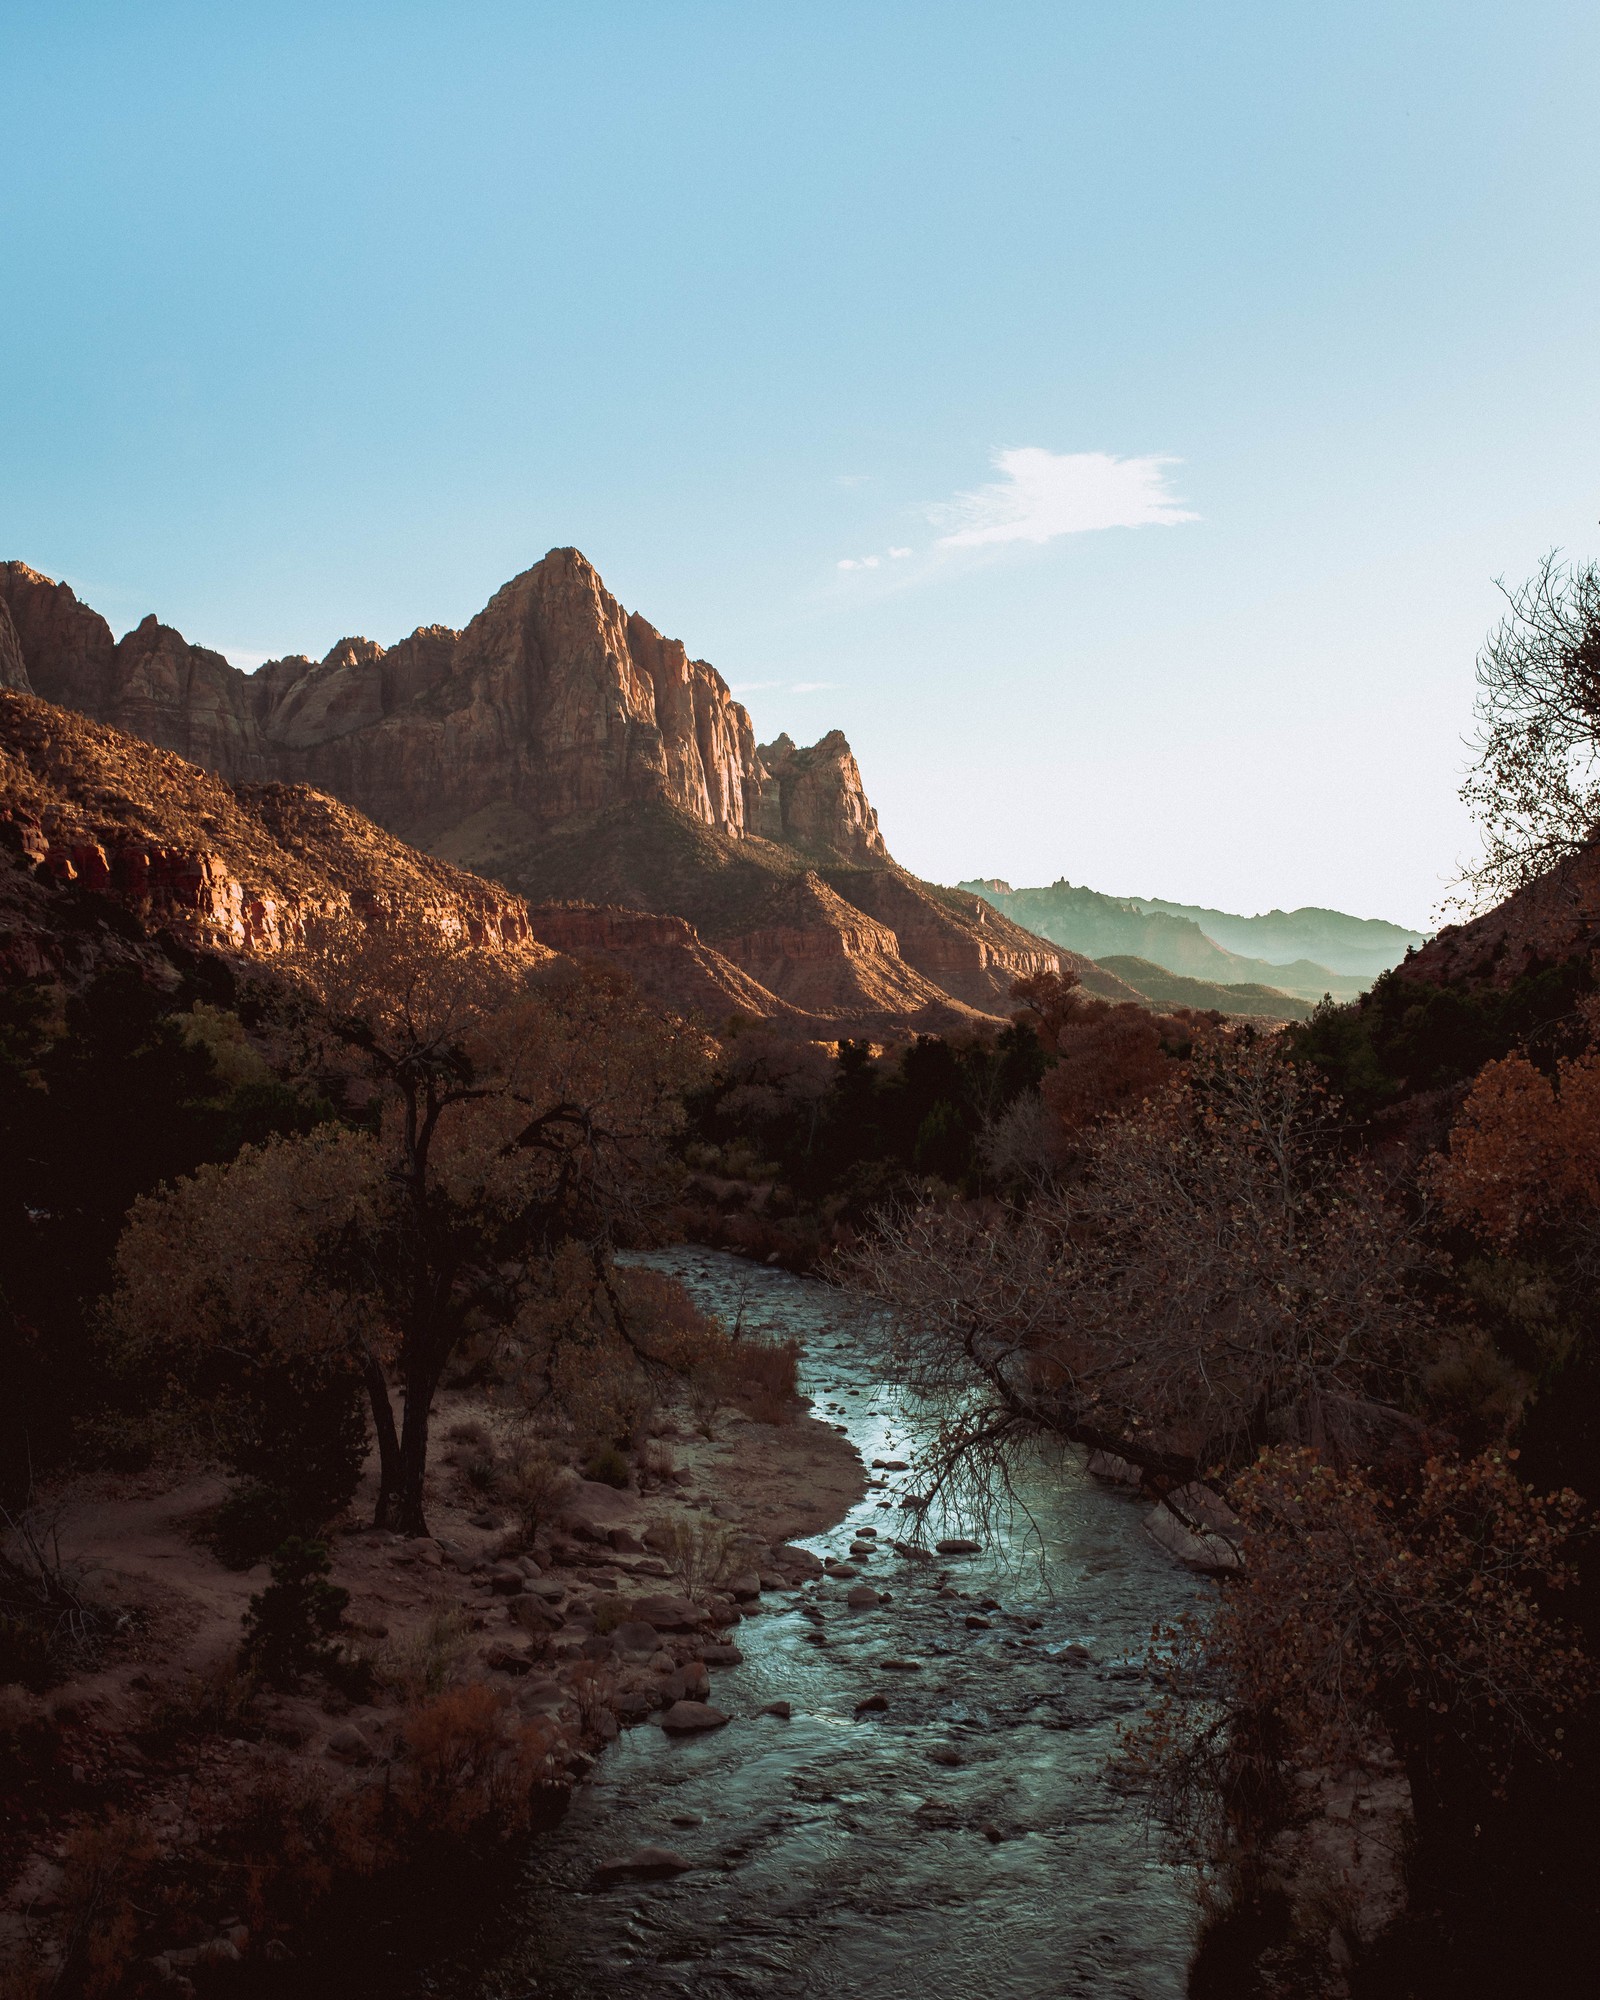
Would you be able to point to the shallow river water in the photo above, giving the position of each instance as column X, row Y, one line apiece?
column 961, row 1843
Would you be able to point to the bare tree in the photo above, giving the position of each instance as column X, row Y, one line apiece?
column 1217, row 1280
column 1536, row 787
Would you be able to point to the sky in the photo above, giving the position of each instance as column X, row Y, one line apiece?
column 1113, row 416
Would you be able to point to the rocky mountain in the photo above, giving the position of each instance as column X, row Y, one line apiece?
column 1550, row 921
column 566, row 749
column 116, row 826
column 1189, row 941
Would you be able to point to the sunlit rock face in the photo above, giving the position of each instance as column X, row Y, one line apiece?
column 553, row 700
column 243, row 869
column 565, row 748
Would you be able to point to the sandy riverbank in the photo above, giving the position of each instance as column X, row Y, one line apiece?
column 587, row 1627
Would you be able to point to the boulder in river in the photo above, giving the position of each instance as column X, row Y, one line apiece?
column 1198, row 1548
column 1113, row 1470
column 782, row 1709
column 643, row 1864
column 958, row 1545
column 861, row 1597
column 687, row 1718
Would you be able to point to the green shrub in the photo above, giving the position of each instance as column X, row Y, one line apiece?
column 287, row 1625
column 609, row 1466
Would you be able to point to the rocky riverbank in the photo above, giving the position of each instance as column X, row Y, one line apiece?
column 210, row 1815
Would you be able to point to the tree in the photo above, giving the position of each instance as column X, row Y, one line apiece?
column 1524, row 1154
column 1416, row 1606
column 1216, row 1279
column 1536, row 786
column 506, row 1116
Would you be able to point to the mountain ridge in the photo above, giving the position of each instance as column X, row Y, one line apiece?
column 565, row 748
column 1171, row 936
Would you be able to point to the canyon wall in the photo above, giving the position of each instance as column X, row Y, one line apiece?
column 553, row 699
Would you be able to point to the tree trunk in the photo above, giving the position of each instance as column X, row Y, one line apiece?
column 390, row 1472
column 410, row 1518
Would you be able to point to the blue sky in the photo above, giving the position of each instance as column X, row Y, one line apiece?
column 1112, row 416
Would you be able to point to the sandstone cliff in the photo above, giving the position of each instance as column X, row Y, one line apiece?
column 553, row 700
column 242, row 870
column 564, row 747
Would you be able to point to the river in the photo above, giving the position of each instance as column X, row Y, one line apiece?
column 961, row 1843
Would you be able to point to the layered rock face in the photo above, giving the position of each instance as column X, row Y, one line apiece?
column 553, row 700
column 567, row 749
column 243, row 870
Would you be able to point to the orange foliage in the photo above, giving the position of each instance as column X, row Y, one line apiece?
column 1362, row 1610
column 1525, row 1152
column 1111, row 1054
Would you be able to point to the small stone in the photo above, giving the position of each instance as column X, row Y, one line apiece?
column 644, row 1863
column 348, row 1743
column 782, row 1709
column 504, row 1659
column 872, row 1704
column 890, row 1465
column 958, row 1545
column 901, row 1666
column 861, row 1597
column 686, row 1718
column 722, row 1656
column 991, row 1833
column 506, row 1581
column 843, row 1570
column 947, row 1755
column 745, row 1587
column 976, row 1622
column 633, row 1635
column 866, row 1534
column 688, row 1819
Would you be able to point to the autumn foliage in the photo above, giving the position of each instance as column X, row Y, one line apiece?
column 1525, row 1152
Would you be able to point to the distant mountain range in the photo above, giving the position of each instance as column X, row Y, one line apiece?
column 1303, row 953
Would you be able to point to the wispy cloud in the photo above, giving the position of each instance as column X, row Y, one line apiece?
column 1042, row 494
column 858, row 562
column 788, row 687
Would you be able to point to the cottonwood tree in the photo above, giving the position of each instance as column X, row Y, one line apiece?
column 506, row 1117
column 1215, row 1279
column 1536, row 787
column 1417, row 1607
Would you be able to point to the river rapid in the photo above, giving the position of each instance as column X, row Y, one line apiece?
column 962, row 1841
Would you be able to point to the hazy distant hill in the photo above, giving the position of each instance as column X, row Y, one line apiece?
column 1361, row 946
column 1171, row 989
column 1316, row 951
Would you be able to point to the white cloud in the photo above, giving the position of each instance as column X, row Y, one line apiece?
column 1045, row 493
column 896, row 554
column 858, row 562
column 812, row 687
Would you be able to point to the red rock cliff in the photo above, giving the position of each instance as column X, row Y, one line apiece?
column 553, row 700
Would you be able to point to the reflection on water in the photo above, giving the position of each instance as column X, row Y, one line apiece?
column 960, row 1842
